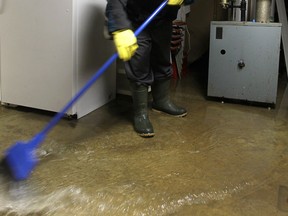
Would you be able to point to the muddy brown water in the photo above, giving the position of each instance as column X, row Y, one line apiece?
column 222, row 159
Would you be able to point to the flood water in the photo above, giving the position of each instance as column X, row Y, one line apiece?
column 222, row 159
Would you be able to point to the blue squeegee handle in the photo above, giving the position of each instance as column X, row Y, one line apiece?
column 93, row 79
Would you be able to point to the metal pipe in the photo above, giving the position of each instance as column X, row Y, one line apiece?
column 251, row 10
column 243, row 10
column 263, row 11
column 272, row 10
column 242, row 7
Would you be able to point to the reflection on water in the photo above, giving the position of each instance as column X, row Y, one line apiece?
column 21, row 199
column 221, row 155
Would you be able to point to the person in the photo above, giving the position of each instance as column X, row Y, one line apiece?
column 147, row 57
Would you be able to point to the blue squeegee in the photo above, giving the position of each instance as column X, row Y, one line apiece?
column 21, row 158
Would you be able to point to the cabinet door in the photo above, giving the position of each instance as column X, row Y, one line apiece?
column 244, row 62
column 36, row 53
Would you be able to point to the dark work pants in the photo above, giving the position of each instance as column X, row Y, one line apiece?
column 151, row 61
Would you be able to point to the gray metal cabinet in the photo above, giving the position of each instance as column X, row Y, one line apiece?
column 49, row 49
column 244, row 61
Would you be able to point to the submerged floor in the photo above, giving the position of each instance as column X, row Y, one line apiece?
column 222, row 159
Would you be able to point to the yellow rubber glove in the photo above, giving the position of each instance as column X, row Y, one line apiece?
column 175, row 2
column 126, row 43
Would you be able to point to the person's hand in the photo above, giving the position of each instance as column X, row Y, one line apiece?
column 126, row 43
column 175, row 2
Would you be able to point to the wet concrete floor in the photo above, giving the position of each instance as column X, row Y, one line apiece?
column 222, row 159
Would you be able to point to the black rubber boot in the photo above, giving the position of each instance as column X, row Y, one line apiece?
column 161, row 100
column 142, row 124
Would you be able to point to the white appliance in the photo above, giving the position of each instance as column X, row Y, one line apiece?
column 49, row 49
